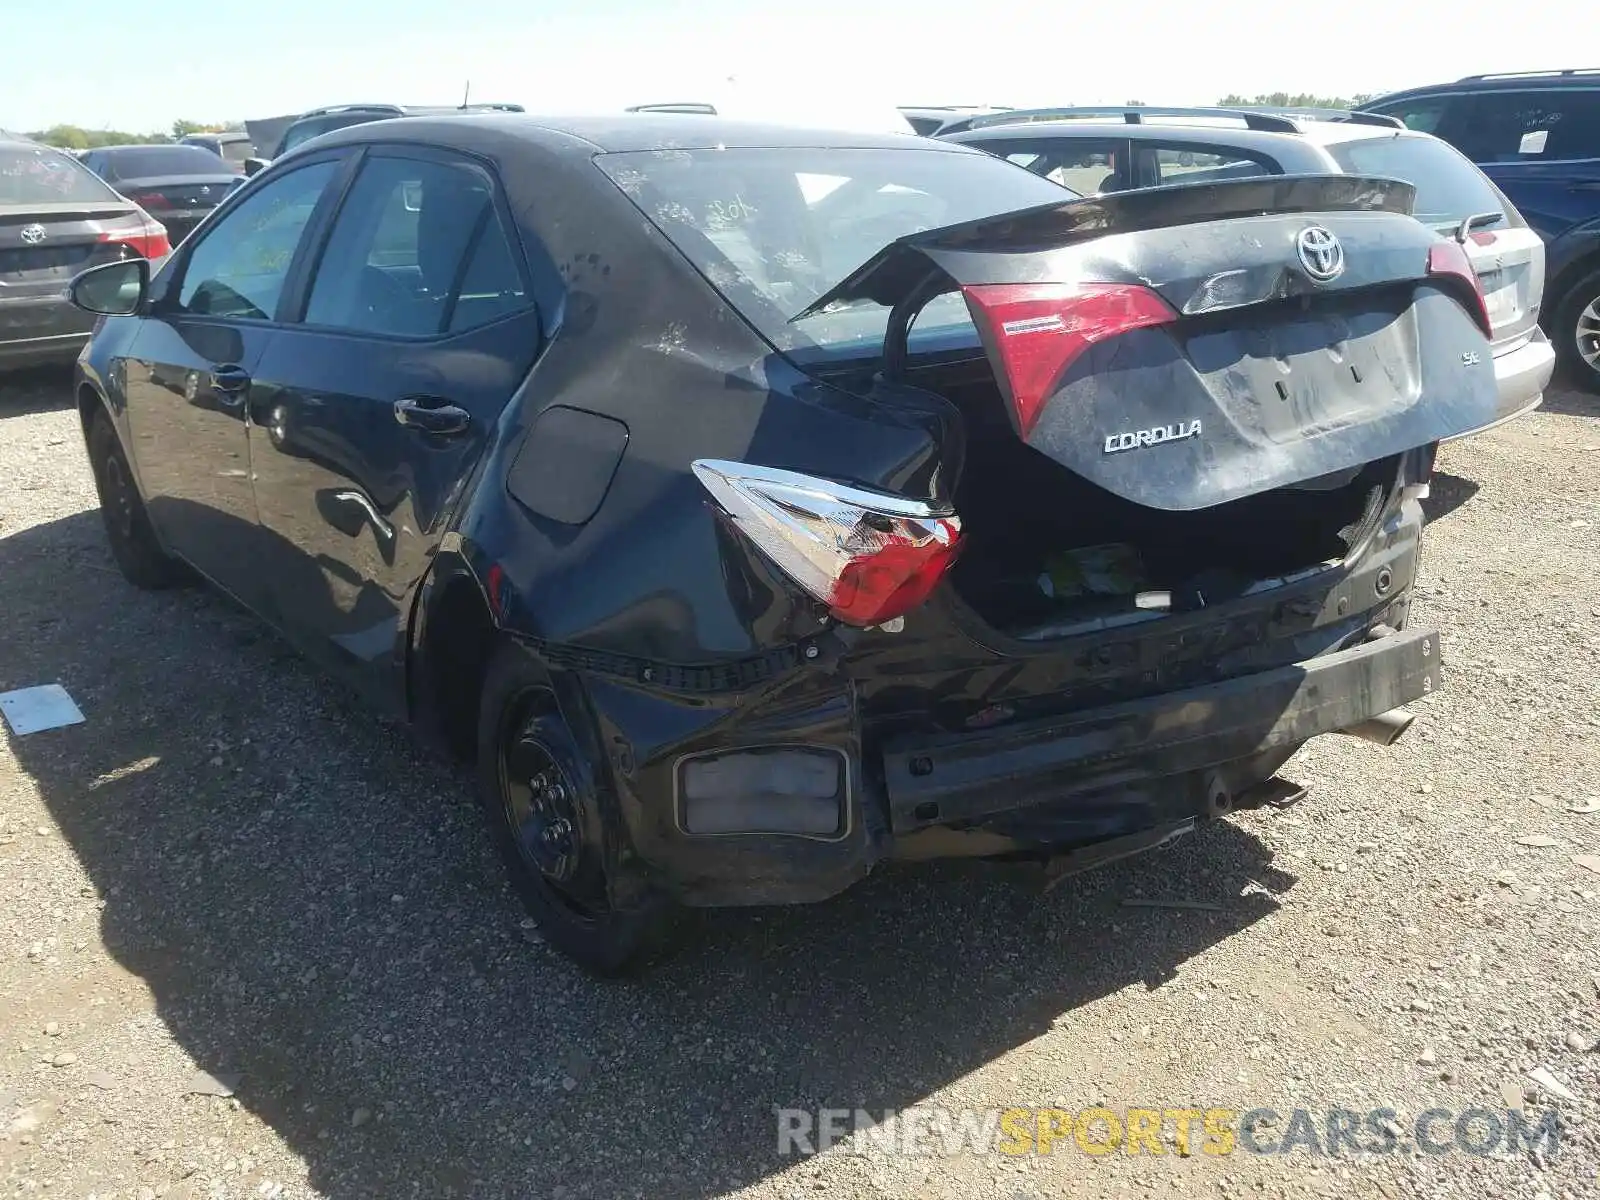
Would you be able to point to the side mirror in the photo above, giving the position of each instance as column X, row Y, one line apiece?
column 254, row 166
column 112, row 290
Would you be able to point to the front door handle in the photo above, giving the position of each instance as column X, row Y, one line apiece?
column 432, row 415
column 230, row 379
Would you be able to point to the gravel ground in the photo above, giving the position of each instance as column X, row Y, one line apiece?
column 254, row 944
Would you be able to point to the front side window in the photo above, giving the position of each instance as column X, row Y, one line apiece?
column 1082, row 165
column 239, row 267
column 418, row 249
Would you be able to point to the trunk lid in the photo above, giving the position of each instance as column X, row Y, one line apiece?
column 1183, row 347
column 43, row 246
column 179, row 192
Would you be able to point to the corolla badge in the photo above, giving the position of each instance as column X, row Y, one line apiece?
column 1140, row 438
column 1320, row 253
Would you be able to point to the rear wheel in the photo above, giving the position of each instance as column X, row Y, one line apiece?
column 133, row 541
column 1577, row 332
column 541, row 796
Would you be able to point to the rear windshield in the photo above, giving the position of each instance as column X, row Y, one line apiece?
column 144, row 162
column 1448, row 186
column 36, row 175
column 774, row 228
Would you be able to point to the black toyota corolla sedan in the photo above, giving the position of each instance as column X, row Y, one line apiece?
column 754, row 505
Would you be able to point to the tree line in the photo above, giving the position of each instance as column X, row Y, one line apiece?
column 1294, row 100
column 73, row 137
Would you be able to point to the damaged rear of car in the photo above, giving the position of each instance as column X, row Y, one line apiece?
column 1165, row 534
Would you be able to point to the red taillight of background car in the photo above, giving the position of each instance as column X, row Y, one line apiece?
column 869, row 556
column 1037, row 330
column 1448, row 260
column 150, row 200
column 148, row 240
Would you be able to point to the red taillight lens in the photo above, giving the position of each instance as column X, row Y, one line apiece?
column 894, row 579
column 148, row 241
column 150, row 199
column 869, row 556
column 1449, row 260
column 1037, row 330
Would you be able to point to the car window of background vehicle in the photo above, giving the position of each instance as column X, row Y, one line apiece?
column 1448, row 186
column 1084, row 165
column 146, row 162
column 1425, row 115
column 239, row 267
column 1182, row 164
column 36, row 175
column 1535, row 125
column 394, row 262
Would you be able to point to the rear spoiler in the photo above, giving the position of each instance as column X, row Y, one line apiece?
column 903, row 267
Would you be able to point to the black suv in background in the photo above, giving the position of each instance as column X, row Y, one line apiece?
column 1537, row 135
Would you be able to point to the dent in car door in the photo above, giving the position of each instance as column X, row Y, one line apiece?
column 190, row 376
column 370, row 415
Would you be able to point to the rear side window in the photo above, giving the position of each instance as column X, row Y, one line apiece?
column 417, row 250
column 1531, row 126
column 1188, row 164
column 36, row 175
column 772, row 229
column 1448, row 186
column 1081, row 165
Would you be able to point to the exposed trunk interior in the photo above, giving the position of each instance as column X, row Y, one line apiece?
column 1027, row 521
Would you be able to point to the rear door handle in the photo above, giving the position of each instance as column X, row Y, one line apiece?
column 432, row 415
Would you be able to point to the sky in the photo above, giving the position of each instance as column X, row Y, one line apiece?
column 232, row 60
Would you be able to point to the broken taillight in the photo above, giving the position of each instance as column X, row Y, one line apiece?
column 1037, row 330
column 869, row 556
column 1449, row 260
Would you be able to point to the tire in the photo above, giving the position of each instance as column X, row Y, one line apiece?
column 133, row 541
column 522, row 738
column 1576, row 332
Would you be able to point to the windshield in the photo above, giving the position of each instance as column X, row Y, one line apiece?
column 304, row 131
column 36, row 175
column 1448, row 186
column 774, row 228
column 147, row 162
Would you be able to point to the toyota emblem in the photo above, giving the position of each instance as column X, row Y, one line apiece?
column 32, row 235
column 1320, row 253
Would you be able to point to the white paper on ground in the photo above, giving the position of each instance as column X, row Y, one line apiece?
column 29, row 710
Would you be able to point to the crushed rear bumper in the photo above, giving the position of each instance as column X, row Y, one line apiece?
column 971, row 776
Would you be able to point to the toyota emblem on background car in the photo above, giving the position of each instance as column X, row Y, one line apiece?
column 32, row 235
column 1320, row 253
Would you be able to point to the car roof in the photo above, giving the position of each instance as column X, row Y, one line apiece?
column 629, row 131
column 1511, row 81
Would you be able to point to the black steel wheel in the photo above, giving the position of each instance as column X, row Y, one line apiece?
column 133, row 542
column 542, row 796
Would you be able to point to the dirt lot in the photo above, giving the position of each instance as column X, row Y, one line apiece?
column 231, row 879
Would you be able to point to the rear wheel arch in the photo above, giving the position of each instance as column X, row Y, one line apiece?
column 453, row 637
